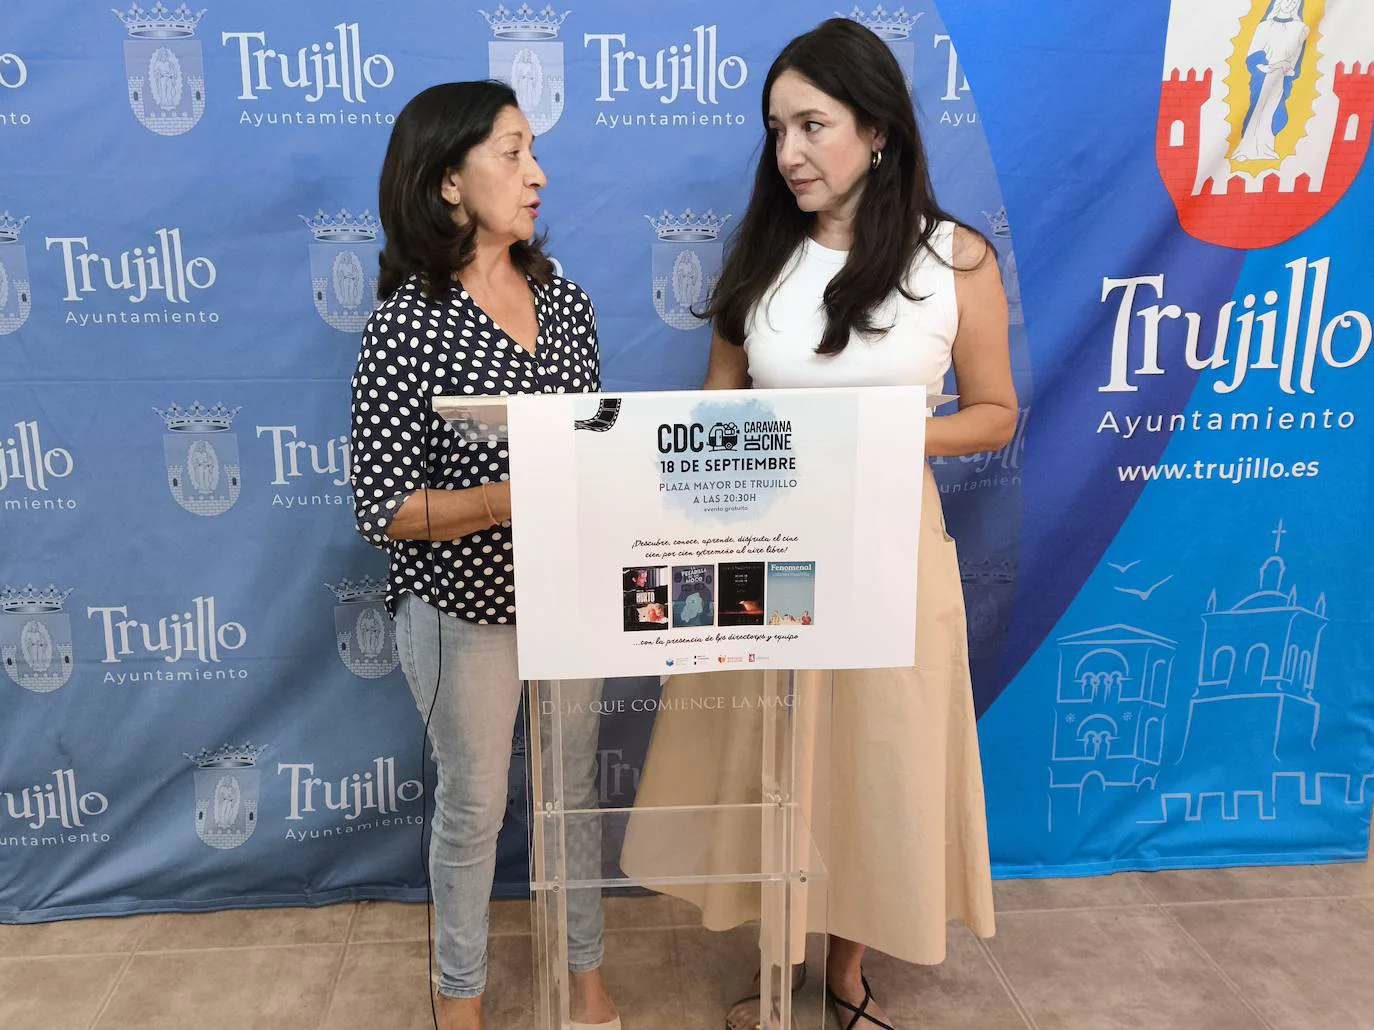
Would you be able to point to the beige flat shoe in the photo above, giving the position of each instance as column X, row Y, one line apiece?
column 612, row 1025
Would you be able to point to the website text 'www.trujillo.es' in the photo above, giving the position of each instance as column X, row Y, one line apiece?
column 1238, row 470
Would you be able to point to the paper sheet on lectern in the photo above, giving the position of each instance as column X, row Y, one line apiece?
column 658, row 533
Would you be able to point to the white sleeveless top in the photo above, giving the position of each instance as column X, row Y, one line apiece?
column 785, row 328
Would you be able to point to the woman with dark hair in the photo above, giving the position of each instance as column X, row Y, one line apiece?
column 844, row 272
column 470, row 305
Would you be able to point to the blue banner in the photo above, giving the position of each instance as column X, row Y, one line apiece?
column 1164, row 571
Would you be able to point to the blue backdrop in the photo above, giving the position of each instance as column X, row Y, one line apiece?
column 1165, row 571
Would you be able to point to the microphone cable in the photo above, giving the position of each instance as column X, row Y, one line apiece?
column 431, row 986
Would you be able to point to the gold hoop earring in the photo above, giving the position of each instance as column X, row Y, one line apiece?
column 877, row 160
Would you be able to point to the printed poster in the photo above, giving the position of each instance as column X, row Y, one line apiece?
column 658, row 533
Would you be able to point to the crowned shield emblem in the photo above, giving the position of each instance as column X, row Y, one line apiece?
column 164, row 67
column 363, row 629
column 526, row 55
column 1264, row 114
column 35, row 638
column 893, row 28
column 16, row 298
column 227, row 784
column 343, row 267
column 202, row 456
column 686, row 265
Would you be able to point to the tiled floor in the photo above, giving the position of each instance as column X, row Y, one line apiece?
column 1270, row 949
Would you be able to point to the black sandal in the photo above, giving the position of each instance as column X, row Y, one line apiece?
column 798, row 981
column 860, row 1011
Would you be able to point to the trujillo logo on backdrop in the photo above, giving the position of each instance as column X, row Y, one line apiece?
column 194, row 644
column 32, row 471
column 660, row 85
column 333, row 74
column 376, row 793
column 14, row 73
column 36, row 637
column 323, row 469
column 161, row 278
column 1264, row 123
column 55, row 812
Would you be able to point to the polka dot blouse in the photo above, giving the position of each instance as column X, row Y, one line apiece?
column 414, row 349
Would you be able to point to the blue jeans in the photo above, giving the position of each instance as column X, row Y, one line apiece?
column 470, row 734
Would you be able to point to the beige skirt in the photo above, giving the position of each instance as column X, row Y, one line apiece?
column 888, row 774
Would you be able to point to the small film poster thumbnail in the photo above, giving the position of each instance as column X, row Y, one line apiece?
column 792, row 593
column 644, row 590
column 694, row 596
column 741, row 586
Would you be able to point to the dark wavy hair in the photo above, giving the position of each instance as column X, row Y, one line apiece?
column 897, row 212
column 432, row 134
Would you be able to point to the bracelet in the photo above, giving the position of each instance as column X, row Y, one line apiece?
column 487, row 503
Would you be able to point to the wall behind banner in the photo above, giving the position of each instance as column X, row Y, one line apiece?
column 1169, row 621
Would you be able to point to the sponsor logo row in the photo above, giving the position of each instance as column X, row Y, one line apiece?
column 166, row 279
column 235, row 787
column 679, row 75
column 227, row 787
column 201, row 641
column 201, row 466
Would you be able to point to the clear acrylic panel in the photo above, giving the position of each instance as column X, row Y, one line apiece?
column 726, row 839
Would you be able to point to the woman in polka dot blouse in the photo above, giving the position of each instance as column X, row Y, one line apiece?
column 470, row 305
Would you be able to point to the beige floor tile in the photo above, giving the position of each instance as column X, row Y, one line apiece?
column 1113, row 969
column 513, row 915
column 642, row 976
column 1082, row 954
column 389, row 921
column 1305, row 965
column 1071, row 892
column 248, row 928
column 1263, row 883
column 73, row 937
column 1356, row 878
column 264, row 988
column 963, row 993
column 710, row 971
column 384, row 986
column 510, row 983
column 55, row 993
column 715, row 969
column 626, row 912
